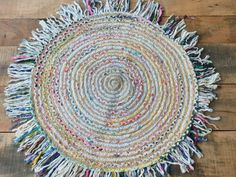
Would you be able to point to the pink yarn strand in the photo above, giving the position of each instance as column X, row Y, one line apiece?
column 89, row 7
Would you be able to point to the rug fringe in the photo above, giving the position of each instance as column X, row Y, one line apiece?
column 46, row 160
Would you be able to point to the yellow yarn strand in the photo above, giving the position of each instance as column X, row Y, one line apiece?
column 37, row 159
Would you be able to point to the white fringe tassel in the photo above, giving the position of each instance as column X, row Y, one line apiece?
column 40, row 152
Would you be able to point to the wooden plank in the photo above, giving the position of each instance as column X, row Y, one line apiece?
column 5, row 60
column 199, row 7
column 12, row 31
column 5, row 122
column 210, row 29
column 213, row 29
column 43, row 8
column 12, row 163
column 29, row 9
column 5, row 54
column 219, row 158
column 223, row 56
column 224, row 107
column 224, row 59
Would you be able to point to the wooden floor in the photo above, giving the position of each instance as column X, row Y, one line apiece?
column 215, row 21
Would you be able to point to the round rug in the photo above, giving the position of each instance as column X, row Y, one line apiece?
column 107, row 91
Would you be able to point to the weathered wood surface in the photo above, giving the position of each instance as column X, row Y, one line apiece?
column 219, row 157
column 44, row 8
column 215, row 21
column 12, row 163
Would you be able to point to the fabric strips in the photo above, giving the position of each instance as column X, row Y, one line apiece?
column 102, row 90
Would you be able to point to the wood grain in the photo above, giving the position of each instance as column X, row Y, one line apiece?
column 11, row 163
column 213, row 29
column 5, row 55
column 224, row 107
column 219, row 158
column 5, row 59
column 224, row 59
column 210, row 29
column 12, row 31
column 215, row 21
column 199, row 7
column 10, row 9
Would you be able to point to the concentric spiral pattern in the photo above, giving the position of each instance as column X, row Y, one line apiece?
column 113, row 93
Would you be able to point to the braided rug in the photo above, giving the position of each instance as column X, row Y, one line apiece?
column 102, row 90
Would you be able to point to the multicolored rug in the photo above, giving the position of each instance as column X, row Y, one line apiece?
column 106, row 91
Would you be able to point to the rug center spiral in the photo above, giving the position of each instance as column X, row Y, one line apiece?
column 113, row 93
column 115, row 83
